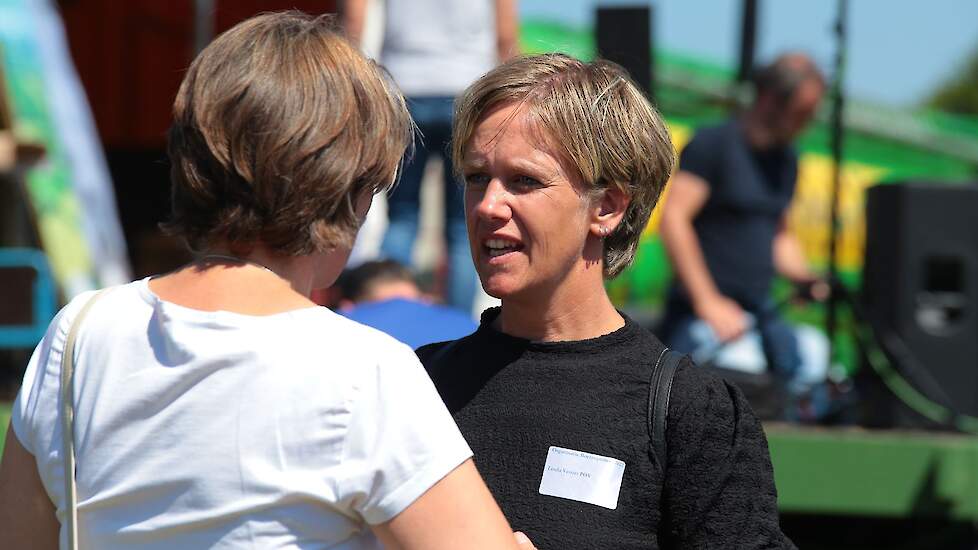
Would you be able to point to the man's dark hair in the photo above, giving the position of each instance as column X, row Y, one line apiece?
column 357, row 283
column 783, row 76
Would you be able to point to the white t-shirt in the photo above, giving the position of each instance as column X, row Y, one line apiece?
column 438, row 47
column 219, row 430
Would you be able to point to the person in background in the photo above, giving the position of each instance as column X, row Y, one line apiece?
column 563, row 162
column 383, row 294
column 724, row 221
column 206, row 413
column 433, row 50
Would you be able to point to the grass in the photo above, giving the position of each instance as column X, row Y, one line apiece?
column 4, row 420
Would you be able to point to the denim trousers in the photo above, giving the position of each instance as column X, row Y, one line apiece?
column 778, row 340
column 433, row 116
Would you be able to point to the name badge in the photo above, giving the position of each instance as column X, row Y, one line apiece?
column 583, row 477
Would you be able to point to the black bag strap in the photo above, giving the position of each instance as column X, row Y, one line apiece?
column 660, row 388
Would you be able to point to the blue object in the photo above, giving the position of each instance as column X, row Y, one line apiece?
column 433, row 115
column 44, row 297
column 683, row 331
column 413, row 322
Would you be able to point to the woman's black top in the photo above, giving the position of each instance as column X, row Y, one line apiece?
column 513, row 399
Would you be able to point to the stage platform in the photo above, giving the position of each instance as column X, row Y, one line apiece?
column 875, row 473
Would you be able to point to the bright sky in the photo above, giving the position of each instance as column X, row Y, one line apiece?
column 899, row 50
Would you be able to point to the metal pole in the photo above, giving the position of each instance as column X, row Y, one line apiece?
column 836, row 135
column 748, row 40
column 203, row 24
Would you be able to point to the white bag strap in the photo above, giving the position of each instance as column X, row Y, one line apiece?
column 68, row 419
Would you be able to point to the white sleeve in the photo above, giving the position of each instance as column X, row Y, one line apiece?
column 401, row 440
column 39, row 391
column 20, row 416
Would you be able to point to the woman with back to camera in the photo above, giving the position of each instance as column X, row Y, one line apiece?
column 563, row 162
column 216, row 406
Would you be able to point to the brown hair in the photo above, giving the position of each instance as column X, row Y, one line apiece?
column 597, row 119
column 360, row 282
column 785, row 74
column 280, row 125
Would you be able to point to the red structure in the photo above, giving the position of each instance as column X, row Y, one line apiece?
column 131, row 56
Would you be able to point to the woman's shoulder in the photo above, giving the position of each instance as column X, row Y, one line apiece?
column 692, row 380
column 432, row 355
column 364, row 341
column 720, row 481
column 701, row 395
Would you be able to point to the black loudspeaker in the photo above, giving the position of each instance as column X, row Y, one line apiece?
column 920, row 286
column 625, row 37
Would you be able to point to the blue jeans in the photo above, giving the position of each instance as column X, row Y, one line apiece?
column 433, row 115
column 777, row 337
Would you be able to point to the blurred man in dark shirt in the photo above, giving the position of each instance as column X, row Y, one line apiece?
column 724, row 223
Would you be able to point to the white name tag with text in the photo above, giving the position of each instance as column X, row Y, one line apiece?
column 583, row 477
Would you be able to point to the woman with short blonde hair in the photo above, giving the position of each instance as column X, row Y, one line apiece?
column 563, row 162
column 597, row 120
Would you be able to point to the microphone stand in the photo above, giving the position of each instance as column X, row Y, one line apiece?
column 836, row 138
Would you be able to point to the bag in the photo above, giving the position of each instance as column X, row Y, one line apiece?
column 68, row 419
column 660, row 388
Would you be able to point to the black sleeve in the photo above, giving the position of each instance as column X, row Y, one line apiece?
column 700, row 155
column 719, row 490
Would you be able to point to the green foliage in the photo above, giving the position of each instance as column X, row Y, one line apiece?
column 4, row 421
column 960, row 93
